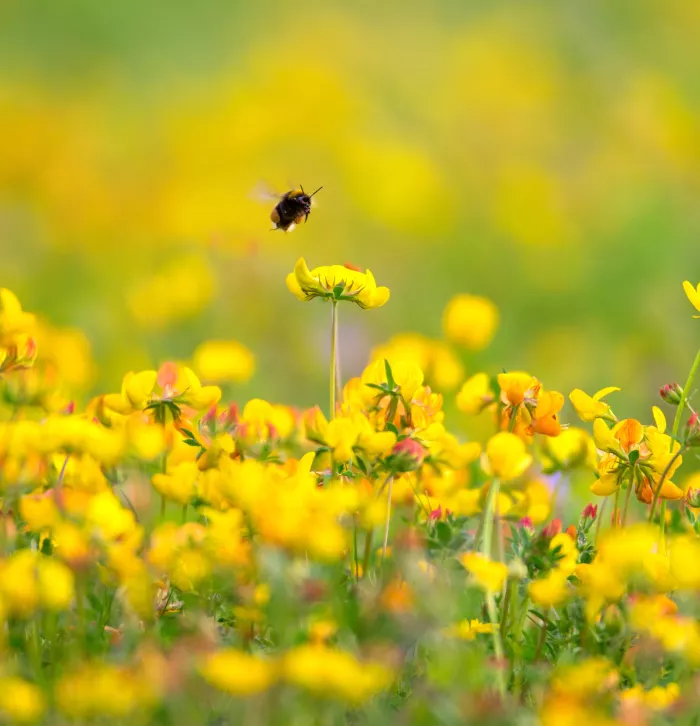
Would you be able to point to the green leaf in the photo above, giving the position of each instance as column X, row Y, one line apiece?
column 389, row 375
column 444, row 533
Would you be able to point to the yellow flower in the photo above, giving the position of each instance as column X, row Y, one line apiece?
column 469, row 629
column 475, row 394
column 408, row 377
column 334, row 673
column 178, row 484
column 486, row 573
column 470, row 320
column 20, row 701
column 693, row 294
column 592, row 407
column 238, row 673
column 224, row 360
column 14, row 322
column 336, row 282
column 657, row 698
column 517, row 386
column 29, row 580
column 551, row 590
column 506, row 456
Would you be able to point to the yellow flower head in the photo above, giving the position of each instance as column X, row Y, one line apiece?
column 237, row 672
column 336, row 282
column 475, row 394
column 14, row 322
column 470, row 320
column 517, row 386
column 224, row 360
column 506, row 456
column 487, row 574
column 592, row 407
column 693, row 294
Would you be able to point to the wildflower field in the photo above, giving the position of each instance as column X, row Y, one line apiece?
column 246, row 480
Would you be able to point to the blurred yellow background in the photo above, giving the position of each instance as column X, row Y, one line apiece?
column 544, row 155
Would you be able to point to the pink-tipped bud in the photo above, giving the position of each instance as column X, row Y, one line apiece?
column 692, row 431
column 692, row 497
column 209, row 417
column 435, row 514
column 70, row 408
column 409, row 454
column 671, row 393
column 526, row 523
column 590, row 511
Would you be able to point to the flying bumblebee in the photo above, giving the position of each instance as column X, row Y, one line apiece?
column 293, row 207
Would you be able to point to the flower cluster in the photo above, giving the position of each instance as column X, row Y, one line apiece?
column 168, row 558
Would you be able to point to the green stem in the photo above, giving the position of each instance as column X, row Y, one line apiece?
column 513, row 418
column 388, row 520
column 684, row 395
column 489, row 516
column 184, row 513
column 659, row 486
column 613, row 521
column 628, row 496
column 356, row 557
column 334, row 356
column 541, row 639
column 600, row 519
column 368, row 552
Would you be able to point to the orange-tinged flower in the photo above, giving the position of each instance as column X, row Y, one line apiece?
column 693, row 294
column 336, row 282
column 517, row 386
column 629, row 433
column 545, row 418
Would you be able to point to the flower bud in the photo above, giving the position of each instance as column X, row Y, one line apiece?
column 590, row 511
column 552, row 529
column 692, row 431
column 526, row 523
column 692, row 497
column 408, row 455
column 671, row 393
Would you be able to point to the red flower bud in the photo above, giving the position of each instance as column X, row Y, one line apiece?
column 553, row 528
column 692, row 431
column 590, row 511
column 692, row 497
column 409, row 454
column 671, row 393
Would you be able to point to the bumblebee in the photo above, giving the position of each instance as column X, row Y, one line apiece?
column 293, row 206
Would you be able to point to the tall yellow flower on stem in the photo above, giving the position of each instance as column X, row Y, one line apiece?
column 335, row 283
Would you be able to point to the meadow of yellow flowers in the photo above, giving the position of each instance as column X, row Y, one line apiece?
column 470, row 497
column 170, row 558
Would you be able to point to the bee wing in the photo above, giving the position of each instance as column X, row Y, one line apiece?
column 264, row 192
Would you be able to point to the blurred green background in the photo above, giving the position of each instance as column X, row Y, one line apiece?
column 545, row 155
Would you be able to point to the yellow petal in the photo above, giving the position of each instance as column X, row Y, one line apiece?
column 604, row 392
column 693, row 294
column 606, row 485
column 138, row 387
column 293, row 287
column 659, row 418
